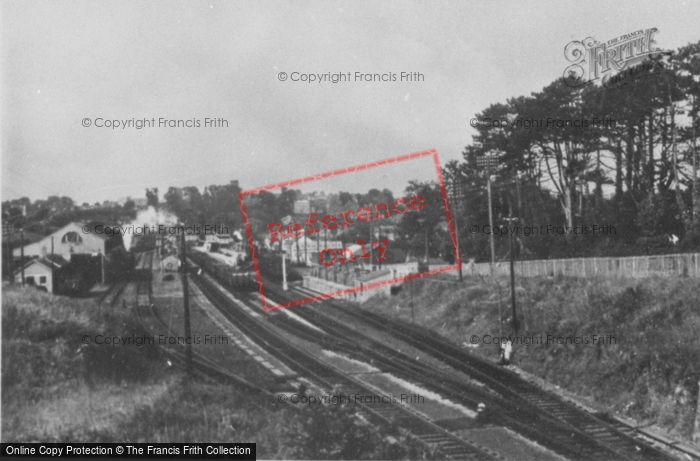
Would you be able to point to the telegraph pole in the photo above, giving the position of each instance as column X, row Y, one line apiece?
column 186, row 305
column 426, row 245
column 325, row 239
column 493, row 248
column 489, row 162
column 411, row 283
column 53, row 276
column 7, row 230
column 458, row 254
column 21, row 252
column 102, row 267
column 512, row 270
column 371, row 237
column 284, row 268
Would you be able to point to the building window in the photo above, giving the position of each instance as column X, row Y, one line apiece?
column 29, row 280
column 72, row 237
column 42, row 279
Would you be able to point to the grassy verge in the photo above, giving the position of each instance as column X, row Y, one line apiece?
column 54, row 389
column 649, row 372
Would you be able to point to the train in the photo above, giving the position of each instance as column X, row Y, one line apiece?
column 270, row 265
column 242, row 279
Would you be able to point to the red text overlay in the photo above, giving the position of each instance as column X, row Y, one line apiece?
column 314, row 223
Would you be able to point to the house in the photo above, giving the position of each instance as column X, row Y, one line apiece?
column 302, row 207
column 141, row 202
column 42, row 272
column 70, row 239
column 307, row 249
column 388, row 231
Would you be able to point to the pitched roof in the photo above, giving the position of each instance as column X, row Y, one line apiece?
column 74, row 225
column 102, row 236
column 57, row 260
column 48, row 261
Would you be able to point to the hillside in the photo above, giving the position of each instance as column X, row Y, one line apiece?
column 53, row 390
column 646, row 367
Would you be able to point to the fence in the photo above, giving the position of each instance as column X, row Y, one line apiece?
column 324, row 286
column 678, row 265
column 347, row 277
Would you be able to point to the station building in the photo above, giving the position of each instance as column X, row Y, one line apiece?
column 42, row 272
column 69, row 240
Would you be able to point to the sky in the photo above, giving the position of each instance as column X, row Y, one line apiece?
column 62, row 62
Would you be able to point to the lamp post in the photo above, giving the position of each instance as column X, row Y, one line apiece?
column 489, row 162
column 284, row 268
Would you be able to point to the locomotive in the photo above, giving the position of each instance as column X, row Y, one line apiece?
column 240, row 279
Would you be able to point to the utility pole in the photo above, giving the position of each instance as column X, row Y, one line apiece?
column 102, row 267
column 284, row 268
column 489, row 162
column 696, row 192
column 186, row 305
column 411, row 283
column 458, row 253
column 21, row 252
column 512, row 269
column 325, row 236
column 426, row 245
column 53, row 276
column 371, row 237
column 7, row 230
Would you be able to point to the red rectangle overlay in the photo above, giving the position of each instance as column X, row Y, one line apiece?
column 267, row 306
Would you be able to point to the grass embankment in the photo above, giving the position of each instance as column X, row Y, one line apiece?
column 54, row 389
column 649, row 373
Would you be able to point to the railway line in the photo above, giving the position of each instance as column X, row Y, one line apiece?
column 524, row 408
column 328, row 378
column 154, row 323
column 624, row 439
column 111, row 296
column 560, row 426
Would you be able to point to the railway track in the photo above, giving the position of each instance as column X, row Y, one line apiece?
column 156, row 325
column 571, row 443
column 520, row 416
column 592, row 437
column 331, row 380
column 112, row 294
column 536, row 414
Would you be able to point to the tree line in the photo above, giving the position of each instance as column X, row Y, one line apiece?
column 636, row 169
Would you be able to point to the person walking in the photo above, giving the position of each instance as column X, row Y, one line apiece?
column 506, row 353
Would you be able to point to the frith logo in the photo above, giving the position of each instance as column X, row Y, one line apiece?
column 592, row 60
